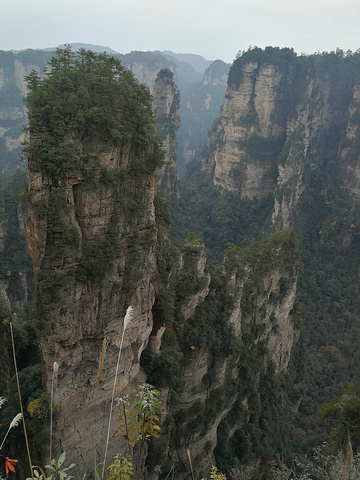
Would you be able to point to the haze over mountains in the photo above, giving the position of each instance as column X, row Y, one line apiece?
column 245, row 347
column 201, row 95
column 199, row 63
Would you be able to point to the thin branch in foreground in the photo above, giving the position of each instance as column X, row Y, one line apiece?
column 19, row 393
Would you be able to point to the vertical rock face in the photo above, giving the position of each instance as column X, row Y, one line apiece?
column 77, row 312
column 165, row 105
column 91, row 236
column 12, row 111
column 192, row 265
column 5, row 318
column 216, row 74
column 297, row 154
column 247, row 112
column 144, row 74
column 13, row 68
column 90, row 225
column 16, row 267
column 349, row 150
column 146, row 66
column 248, row 309
column 278, row 109
column 199, row 107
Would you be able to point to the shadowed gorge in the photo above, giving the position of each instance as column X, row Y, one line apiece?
column 98, row 240
column 243, row 275
column 284, row 154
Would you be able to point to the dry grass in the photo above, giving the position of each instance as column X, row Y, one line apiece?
column 20, row 400
column 127, row 320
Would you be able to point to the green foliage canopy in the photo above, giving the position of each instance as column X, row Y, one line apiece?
column 344, row 415
column 86, row 100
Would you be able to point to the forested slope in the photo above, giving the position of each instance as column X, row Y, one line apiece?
column 285, row 153
column 244, row 348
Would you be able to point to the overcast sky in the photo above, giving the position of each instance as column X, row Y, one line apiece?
column 211, row 28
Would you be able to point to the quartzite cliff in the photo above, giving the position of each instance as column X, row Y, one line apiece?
column 280, row 110
column 99, row 245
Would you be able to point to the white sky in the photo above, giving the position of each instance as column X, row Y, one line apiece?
column 211, row 28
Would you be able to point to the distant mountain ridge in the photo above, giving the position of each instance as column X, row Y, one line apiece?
column 75, row 46
column 201, row 93
column 87, row 46
column 199, row 63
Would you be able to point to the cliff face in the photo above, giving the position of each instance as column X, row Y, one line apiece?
column 199, row 107
column 285, row 154
column 13, row 68
column 216, row 74
column 255, row 97
column 349, row 150
column 165, row 105
column 76, row 315
column 278, row 109
column 12, row 115
column 97, row 247
column 5, row 318
column 15, row 262
column 247, row 309
column 91, row 236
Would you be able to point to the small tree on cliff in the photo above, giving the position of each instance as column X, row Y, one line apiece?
column 343, row 415
column 139, row 424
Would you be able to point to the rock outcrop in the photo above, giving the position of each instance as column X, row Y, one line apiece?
column 98, row 247
column 92, row 241
column 5, row 319
column 259, row 294
column 277, row 109
column 146, row 66
column 165, row 105
column 216, row 74
column 199, row 108
column 13, row 69
column 78, row 312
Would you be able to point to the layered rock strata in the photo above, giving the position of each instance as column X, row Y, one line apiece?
column 165, row 105
column 92, row 240
column 278, row 109
column 76, row 315
column 258, row 317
